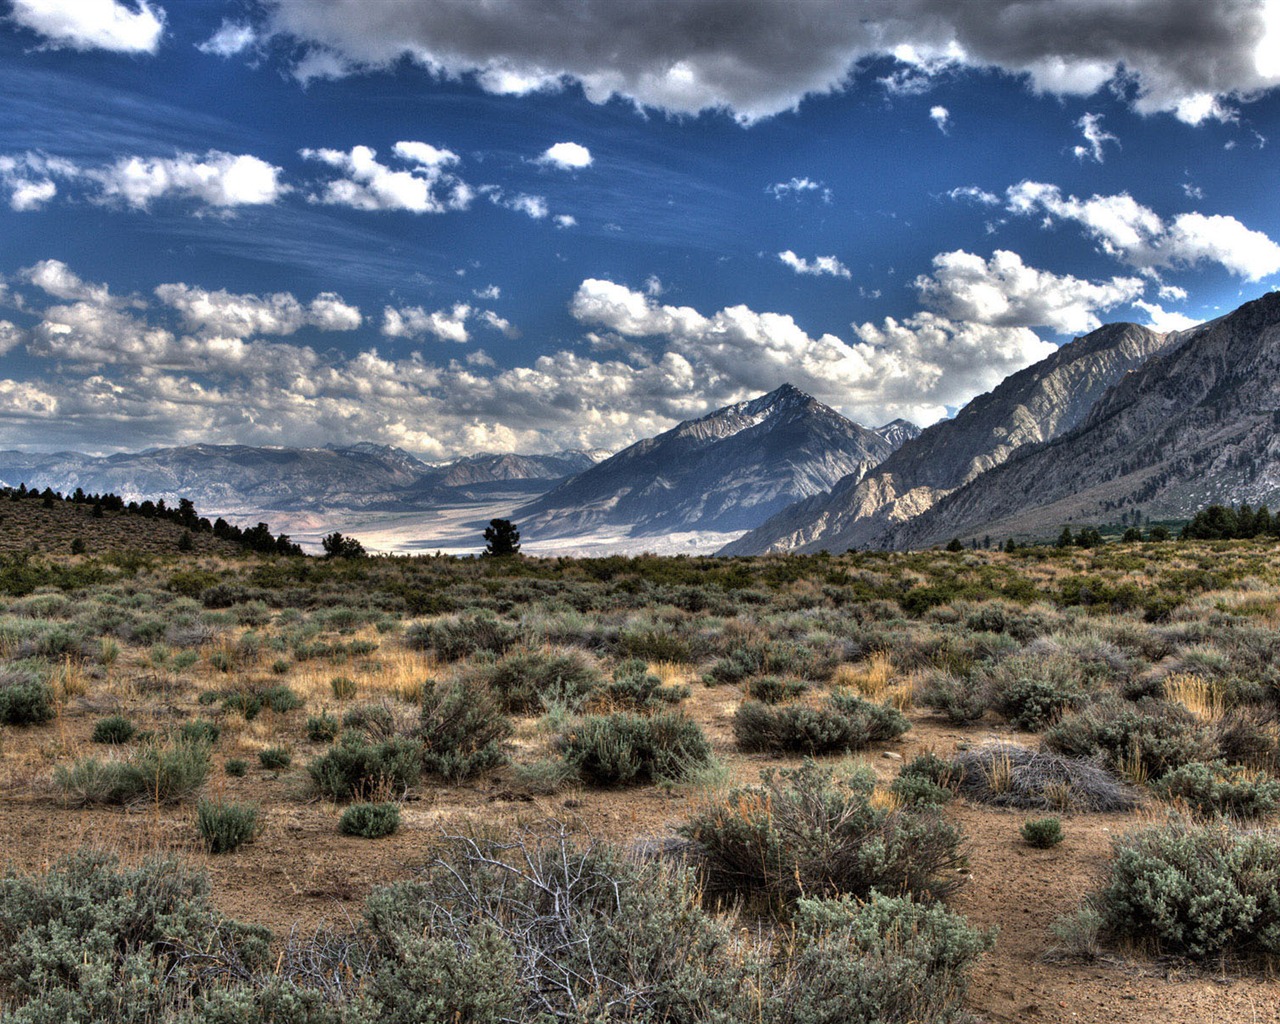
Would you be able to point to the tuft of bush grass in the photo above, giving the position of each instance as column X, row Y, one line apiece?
column 225, row 827
column 842, row 723
column 625, row 749
column 275, row 758
column 113, row 729
column 370, row 821
column 1042, row 833
column 803, row 832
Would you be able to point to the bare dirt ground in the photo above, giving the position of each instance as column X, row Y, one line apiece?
column 302, row 871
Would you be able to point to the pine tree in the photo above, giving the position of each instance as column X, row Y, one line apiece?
column 501, row 538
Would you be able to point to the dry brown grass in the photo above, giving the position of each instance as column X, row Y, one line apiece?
column 1199, row 696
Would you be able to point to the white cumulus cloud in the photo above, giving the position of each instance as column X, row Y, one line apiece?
column 567, row 156
column 1005, row 292
column 224, row 314
column 93, row 24
column 366, row 184
column 1139, row 236
column 816, row 267
column 940, row 116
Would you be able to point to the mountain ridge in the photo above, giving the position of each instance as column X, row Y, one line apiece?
column 725, row 471
column 1030, row 406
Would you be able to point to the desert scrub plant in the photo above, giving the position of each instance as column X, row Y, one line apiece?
column 960, row 699
column 1033, row 691
column 635, row 688
column 25, row 698
column 370, row 821
column 322, row 728
column 1202, row 891
column 1142, row 741
column 841, row 723
column 888, row 959
column 454, row 637
column 113, row 729
column 545, row 776
column 627, row 749
column 805, row 833
column 462, row 729
column 540, row 928
column 1008, row 775
column 353, row 767
column 164, row 773
column 925, row 779
column 225, row 827
column 275, row 758
column 236, row 767
column 199, row 730
column 250, row 701
column 772, row 690
column 90, row 940
column 1217, row 788
column 343, row 687
column 523, row 681
column 1042, row 833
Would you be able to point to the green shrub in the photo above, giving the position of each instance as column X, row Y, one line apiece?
column 456, row 637
column 113, row 729
column 90, row 940
column 236, row 767
column 1144, row 740
column 1032, row 691
column 25, row 699
column 842, row 723
column 199, row 730
column 322, row 728
column 626, row 749
column 1217, row 788
column 550, row 931
column 635, row 688
column 961, row 699
column 354, row 768
column 225, row 827
column 1042, row 833
column 886, row 959
column 524, row 680
column 803, row 834
column 546, row 776
column 377, row 721
column 772, row 690
column 462, row 729
column 1200, row 891
column 250, row 702
column 275, row 758
column 370, row 821
column 164, row 774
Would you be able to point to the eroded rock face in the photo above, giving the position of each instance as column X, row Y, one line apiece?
column 1196, row 424
column 729, row 470
column 1032, row 406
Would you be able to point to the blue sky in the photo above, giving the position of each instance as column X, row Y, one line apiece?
column 537, row 224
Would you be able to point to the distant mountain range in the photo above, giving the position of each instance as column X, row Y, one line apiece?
column 240, row 478
column 726, row 472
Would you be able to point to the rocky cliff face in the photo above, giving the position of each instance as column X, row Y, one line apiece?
column 1194, row 425
column 727, row 471
column 1029, row 407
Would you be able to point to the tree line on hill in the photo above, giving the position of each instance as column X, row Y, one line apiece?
column 254, row 538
